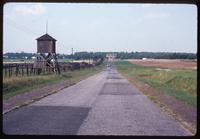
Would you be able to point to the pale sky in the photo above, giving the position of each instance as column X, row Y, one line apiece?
column 101, row 27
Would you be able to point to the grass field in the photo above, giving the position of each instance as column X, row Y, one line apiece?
column 179, row 83
column 167, row 63
column 17, row 85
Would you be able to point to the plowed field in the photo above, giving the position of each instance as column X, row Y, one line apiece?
column 166, row 63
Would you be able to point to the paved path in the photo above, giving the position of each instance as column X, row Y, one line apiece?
column 104, row 104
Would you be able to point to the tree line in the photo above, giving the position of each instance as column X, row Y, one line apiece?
column 100, row 55
column 156, row 55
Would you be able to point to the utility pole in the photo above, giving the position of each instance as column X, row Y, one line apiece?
column 89, row 58
column 72, row 54
column 46, row 26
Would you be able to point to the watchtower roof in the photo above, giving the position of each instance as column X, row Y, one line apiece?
column 46, row 37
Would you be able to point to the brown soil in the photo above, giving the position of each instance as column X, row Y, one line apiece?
column 166, row 63
column 185, row 114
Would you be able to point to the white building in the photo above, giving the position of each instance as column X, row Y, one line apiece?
column 111, row 56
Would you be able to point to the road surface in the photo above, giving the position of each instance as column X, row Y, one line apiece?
column 104, row 104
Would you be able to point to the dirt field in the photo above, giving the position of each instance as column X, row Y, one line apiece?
column 166, row 63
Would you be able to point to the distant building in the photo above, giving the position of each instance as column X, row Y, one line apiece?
column 111, row 56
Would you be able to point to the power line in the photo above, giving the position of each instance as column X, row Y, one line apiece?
column 20, row 27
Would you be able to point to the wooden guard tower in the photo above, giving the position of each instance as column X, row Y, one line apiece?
column 46, row 54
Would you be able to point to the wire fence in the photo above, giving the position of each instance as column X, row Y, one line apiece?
column 27, row 69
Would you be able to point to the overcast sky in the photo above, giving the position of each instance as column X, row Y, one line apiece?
column 101, row 27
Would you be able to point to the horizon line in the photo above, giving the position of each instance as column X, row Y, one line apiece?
column 112, row 52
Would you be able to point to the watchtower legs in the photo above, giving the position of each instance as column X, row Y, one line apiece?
column 45, row 62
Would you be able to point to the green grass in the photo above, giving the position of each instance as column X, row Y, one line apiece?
column 181, row 84
column 18, row 85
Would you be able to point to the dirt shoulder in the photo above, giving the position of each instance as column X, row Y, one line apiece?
column 185, row 114
column 36, row 94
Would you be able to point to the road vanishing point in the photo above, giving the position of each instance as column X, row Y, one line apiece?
column 103, row 104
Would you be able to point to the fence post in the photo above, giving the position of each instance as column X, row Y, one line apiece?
column 5, row 71
column 31, row 69
column 27, row 69
column 22, row 70
column 16, row 70
column 9, row 70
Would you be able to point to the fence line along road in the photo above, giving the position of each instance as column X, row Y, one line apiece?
column 26, row 69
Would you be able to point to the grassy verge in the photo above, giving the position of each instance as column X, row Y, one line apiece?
column 18, row 85
column 181, row 84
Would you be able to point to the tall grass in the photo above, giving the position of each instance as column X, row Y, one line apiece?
column 181, row 84
column 18, row 85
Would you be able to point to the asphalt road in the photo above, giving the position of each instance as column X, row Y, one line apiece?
column 104, row 104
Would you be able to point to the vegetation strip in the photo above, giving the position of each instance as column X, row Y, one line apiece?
column 161, row 102
column 181, row 84
column 25, row 98
column 167, row 103
column 92, row 55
